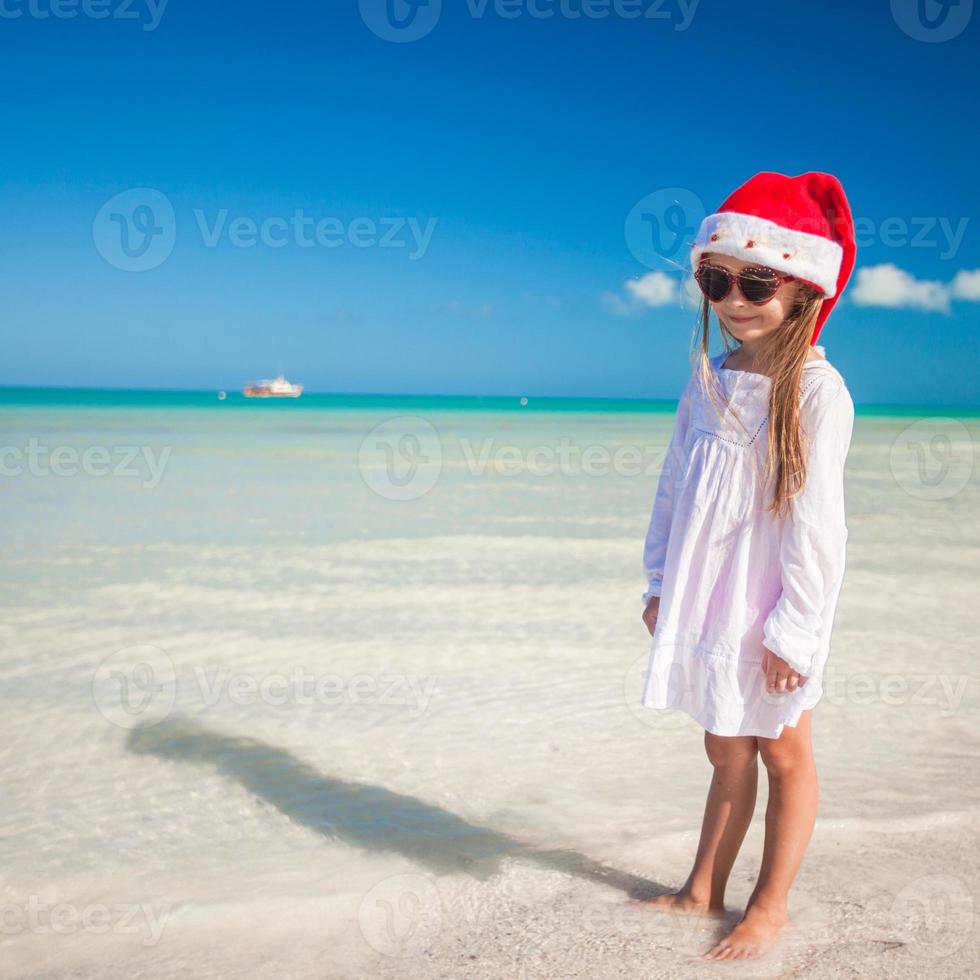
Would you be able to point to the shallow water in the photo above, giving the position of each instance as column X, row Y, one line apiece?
column 282, row 669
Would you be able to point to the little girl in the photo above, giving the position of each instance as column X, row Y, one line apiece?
column 745, row 551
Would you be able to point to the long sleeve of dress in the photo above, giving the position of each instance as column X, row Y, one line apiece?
column 813, row 537
column 655, row 546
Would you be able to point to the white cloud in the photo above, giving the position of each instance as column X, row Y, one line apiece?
column 966, row 285
column 651, row 290
column 887, row 285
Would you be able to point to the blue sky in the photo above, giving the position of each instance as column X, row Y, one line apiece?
column 473, row 187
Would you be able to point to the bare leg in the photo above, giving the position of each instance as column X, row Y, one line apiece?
column 727, row 815
column 790, row 816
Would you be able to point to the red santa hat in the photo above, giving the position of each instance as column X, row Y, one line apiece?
column 798, row 225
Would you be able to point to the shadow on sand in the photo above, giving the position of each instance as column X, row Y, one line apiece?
column 363, row 815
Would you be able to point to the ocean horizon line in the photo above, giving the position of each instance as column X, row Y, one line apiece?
column 132, row 397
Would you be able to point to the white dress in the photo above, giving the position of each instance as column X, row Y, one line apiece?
column 733, row 578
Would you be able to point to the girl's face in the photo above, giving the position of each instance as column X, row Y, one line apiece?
column 744, row 320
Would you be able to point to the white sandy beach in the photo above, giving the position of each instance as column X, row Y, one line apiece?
column 402, row 737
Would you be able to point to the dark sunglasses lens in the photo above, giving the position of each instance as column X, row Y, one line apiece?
column 757, row 287
column 713, row 283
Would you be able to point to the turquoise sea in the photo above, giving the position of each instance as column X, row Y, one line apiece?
column 313, row 401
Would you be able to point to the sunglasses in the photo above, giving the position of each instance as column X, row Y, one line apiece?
column 758, row 284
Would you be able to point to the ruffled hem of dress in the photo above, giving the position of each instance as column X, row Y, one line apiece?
column 792, row 719
column 737, row 704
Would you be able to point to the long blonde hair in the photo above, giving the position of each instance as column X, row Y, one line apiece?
column 782, row 359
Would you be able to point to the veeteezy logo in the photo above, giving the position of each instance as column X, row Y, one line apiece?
column 932, row 21
column 136, row 230
column 147, row 13
column 39, row 460
column 402, row 21
column 305, row 231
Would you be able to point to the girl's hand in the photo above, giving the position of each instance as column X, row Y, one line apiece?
column 650, row 614
column 780, row 677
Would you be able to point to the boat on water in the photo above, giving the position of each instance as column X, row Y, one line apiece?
column 277, row 387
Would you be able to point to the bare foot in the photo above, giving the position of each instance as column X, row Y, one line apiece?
column 751, row 937
column 681, row 901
